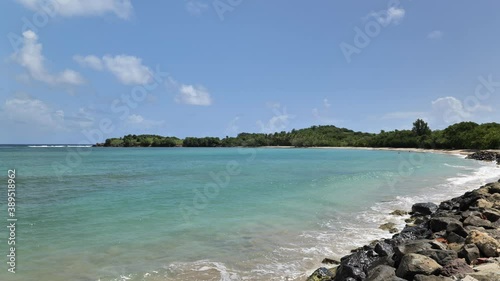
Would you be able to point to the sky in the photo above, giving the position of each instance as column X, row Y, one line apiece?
column 81, row 71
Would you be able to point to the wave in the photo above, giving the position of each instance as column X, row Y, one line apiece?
column 57, row 146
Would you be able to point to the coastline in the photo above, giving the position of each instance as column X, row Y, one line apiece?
column 463, row 152
column 439, row 242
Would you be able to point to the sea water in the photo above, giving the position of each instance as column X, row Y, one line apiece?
column 210, row 213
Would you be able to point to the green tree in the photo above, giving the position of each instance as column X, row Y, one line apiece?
column 421, row 128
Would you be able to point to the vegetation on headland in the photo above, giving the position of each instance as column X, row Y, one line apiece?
column 464, row 135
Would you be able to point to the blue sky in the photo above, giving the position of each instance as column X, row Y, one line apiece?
column 76, row 71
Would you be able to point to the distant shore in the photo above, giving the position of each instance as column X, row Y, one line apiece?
column 422, row 150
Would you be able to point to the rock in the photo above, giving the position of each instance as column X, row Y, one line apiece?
column 487, row 245
column 384, row 249
column 487, row 271
column 494, row 233
column 457, row 228
column 482, row 203
column 424, row 208
column 468, row 213
column 469, row 252
column 441, row 223
column 455, row 246
column 488, row 267
column 355, row 265
column 420, row 277
column 455, row 238
column 409, row 248
column 420, row 231
column 391, row 227
column 322, row 274
column 468, row 278
column 413, row 264
column 483, row 156
column 381, row 273
column 329, row 261
column 493, row 187
column 477, row 221
column 436, row 244
column 457, row 267
column 491, row 214
column 440, row 256
column 399, row 213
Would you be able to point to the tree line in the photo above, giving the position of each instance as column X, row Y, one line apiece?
column 464, row 135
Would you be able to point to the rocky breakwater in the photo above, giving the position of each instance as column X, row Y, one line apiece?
column 457, row 240
column 485, row 156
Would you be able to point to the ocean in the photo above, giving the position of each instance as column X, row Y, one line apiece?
column 210, row 213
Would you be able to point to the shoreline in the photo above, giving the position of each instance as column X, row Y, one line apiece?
column 464, row 152
column 438, row 235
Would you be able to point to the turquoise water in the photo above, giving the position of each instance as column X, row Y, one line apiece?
column 211, row 214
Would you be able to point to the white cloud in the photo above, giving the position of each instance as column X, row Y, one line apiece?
column 452, row 110
column 189, row 94
column 129, row 70
column 196, row 8
column 135, row 119
column 436, row 34
column 30, row 57
column 194, row 95
column 70, row 8
column 34, row 113
column 392, row 15
column 139, row 121
column 89, row 61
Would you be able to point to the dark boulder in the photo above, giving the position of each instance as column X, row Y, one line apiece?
column 384, row 249
column 441, row 223
column 469, row 252
column 442, row 257
column 329, row 261
column 455, row 238
column 456, row 227
column 484, row 156
column 356, row 265
column 322, row 274
column 424, row 208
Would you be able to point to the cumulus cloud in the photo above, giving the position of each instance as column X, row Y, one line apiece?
column 451, row 110
column 436, row 34
column 196, row 8
column 34, row 113
column 194, row 95
column 30, row 57
column 70, row 8
column 392, row 15
column 139, row 121
column 189, row 94
column 89, row 61
column 129, row 70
